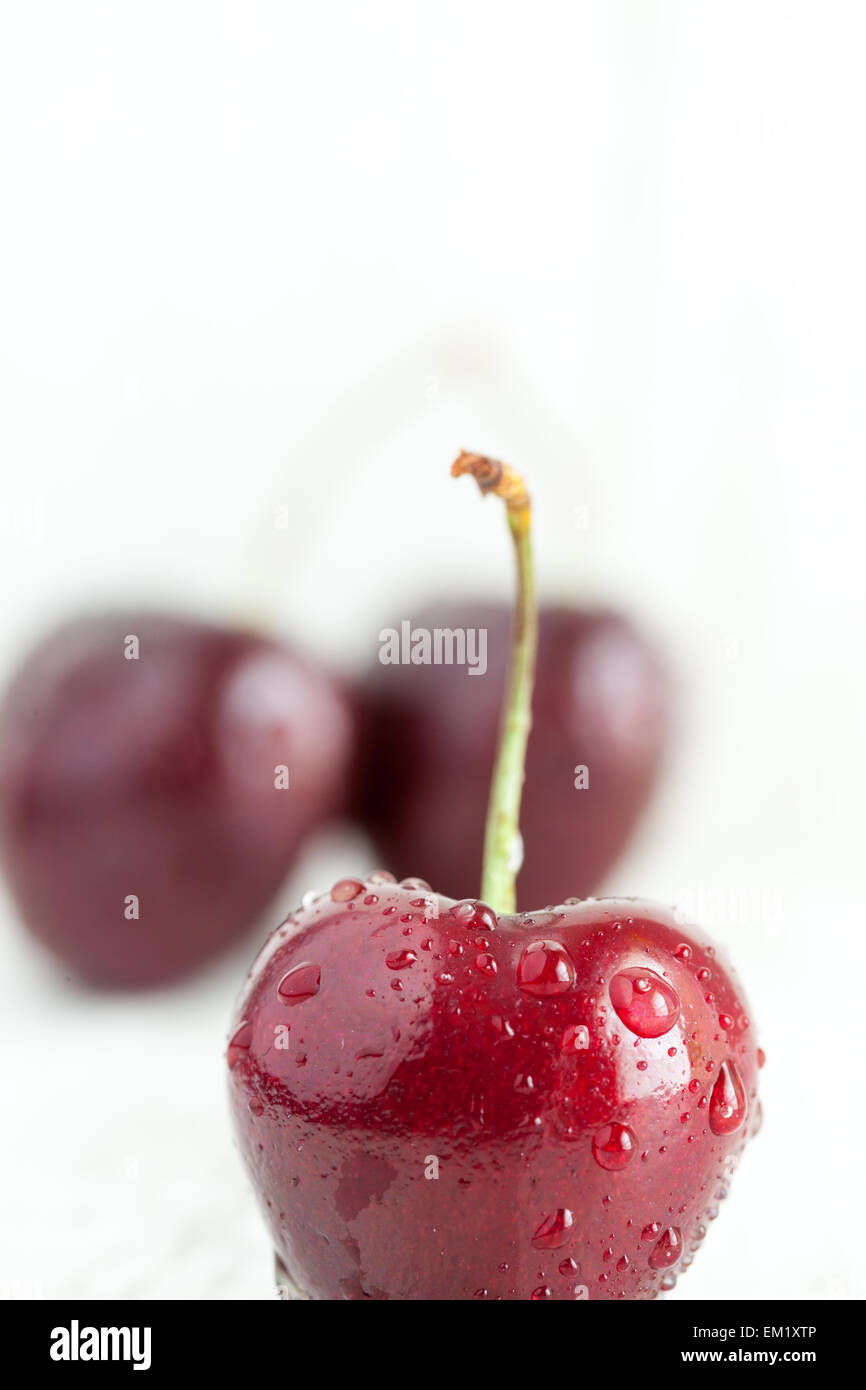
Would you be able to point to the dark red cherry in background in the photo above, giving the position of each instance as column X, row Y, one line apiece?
column 601, row 700
column 154, row 779
column 434, row 1103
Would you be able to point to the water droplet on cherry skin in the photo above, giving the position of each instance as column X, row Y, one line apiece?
column 301, row 983
column 545, row 969
column 728, row 1100
column 346, row 889
column 554, row 1231
column 475, row 915
column 400, row 960
column 644, row 1002
column 240, row 1044
column 613, row 1147
column 667, row 1250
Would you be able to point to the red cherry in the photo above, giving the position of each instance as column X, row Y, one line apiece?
column 141, row 825
column 443, row 1139
column 425, row 1136
column 600, row 701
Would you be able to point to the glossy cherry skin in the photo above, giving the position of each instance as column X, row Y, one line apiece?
column 155, row 778
column 433, row 1104
column 601, row 700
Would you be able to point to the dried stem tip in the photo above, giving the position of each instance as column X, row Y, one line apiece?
column 498, row 478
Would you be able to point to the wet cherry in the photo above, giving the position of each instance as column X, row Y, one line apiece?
column 501, row 1106
column 536, row 1118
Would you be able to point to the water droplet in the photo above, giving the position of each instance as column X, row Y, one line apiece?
column 668, row 1281
column 400, row 960
column 726, row 1022
column 644, row 1001
column 704, row 973
column 613, row 1147
column 240, row 1044
column 575, row 1038
column 541, row 1292
column 650, row 1231
column 728, row 1100
column 569, row 1266
column 311, row 896
column 381, row 876
column 694, row 1085
column 256, row 1106
column 554, row 1231
column 668, row 1249
column 545, row 969
column 301, row 983
column 370, row 900
column 485, row 963
column 762, row 1057
column 419, row 884
column 683, row 952
column 622, row 1263
column 346, row 889
column 475, row 915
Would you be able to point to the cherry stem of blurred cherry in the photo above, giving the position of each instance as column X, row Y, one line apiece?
column 502, row 845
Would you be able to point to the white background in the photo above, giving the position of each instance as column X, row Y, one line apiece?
column 264, row 253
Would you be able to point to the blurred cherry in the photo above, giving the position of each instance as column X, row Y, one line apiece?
column 601, row 702
column 157, row 776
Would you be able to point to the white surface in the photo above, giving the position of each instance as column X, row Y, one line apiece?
column 619, row 243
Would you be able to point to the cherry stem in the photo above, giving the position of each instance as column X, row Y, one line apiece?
column 502, row 846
